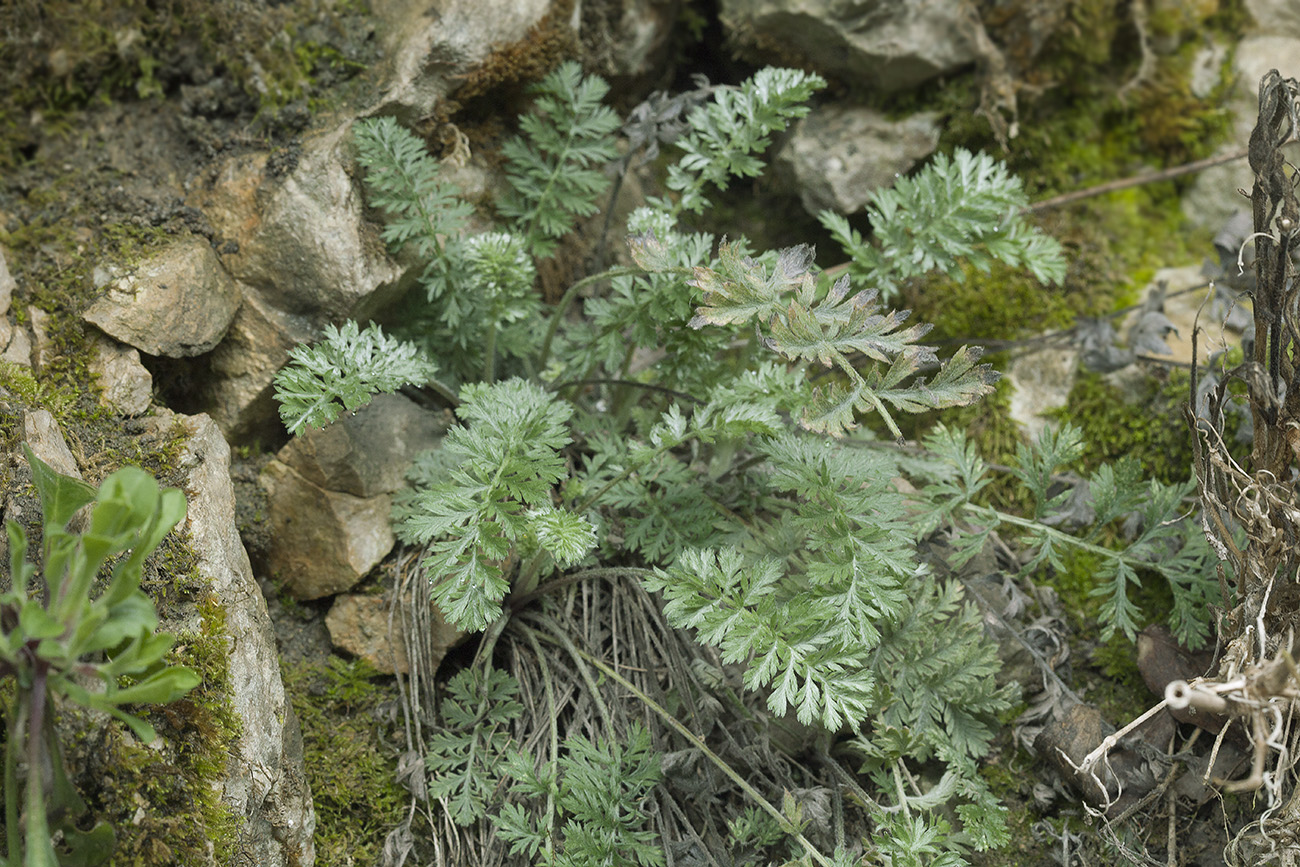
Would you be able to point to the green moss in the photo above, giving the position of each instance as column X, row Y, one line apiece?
column 350, row 770
column 162, row 798
column 1143, row 422
column 61, row 56
column 1077, row 130
column 1010, row 773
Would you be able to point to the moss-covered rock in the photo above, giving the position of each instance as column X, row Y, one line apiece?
column 349, row 757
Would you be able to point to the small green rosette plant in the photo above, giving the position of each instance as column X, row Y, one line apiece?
column 61, row 641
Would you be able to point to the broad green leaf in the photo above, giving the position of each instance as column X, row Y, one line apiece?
column 61, row 496
column 161, row 687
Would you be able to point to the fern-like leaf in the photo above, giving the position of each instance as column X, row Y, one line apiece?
column 736, row 606
column 403, row 181
column 794, row 322
column 725, row 135
column 499, row 494
column 960, row 209
column 342, row 372
column 469, row 755
column 554, row 168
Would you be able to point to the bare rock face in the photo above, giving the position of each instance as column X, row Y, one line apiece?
column 327, row 494
column 1278, row 17
column 890, row 45
column 428, row 52
column 127, row 387
column 626, row 38
column 1040, row 382
column 358, row 624
column 38, row 321
column 323, row 542
column 1212, row 198
column 7, row 285
column 240, row 394
column 42, row 435
column 838, row 155
column 18, row 346
column 267, row 782
column 301, row 239
column 178, row 303
column 368, row 452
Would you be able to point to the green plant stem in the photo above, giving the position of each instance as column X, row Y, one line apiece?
column 13, row 837
column 562, row 307
column 38, row 831
column 490, row 636
column 717, row 760
column 444, row 391
column 1058, row 535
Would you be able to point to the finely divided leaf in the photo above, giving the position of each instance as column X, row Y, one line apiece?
column 507, row 462
column 403, row 180
column 342, row 372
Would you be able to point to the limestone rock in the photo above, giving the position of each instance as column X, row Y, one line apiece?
column 838, row 155
column 18, row 348
column 322, row 542
column 1278, row 17
column 240, row 394
column 126, row 386
column 7, row 285
column 1212, row 198
column 1186, row 310
column 358, row 624
column 429, row 52
column 368, row 452
column 267, row 783
column 302, row 239
column 41, row 433
column 888, row 45
column 1040, row 381
column 626, row 38
column 177, row 303
column 38, row 321
column 1207, row 68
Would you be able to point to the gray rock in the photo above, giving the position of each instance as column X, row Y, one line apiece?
column 302, row 240
column 177, row 303
column 888, row 45
column 41, row 433
column 838, row 155
column 18, row 348
column 358, row 624
column 7, row 285
column 322, row 542
column 267, row 783
column 427, row 53
column 368, row 452
column 240, row 394
column 38, row 323
column 626, row 38
column 1212, row 198
column 1040, row 381
column 1207, row 68
column 1276, row 17
column 126, row 386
